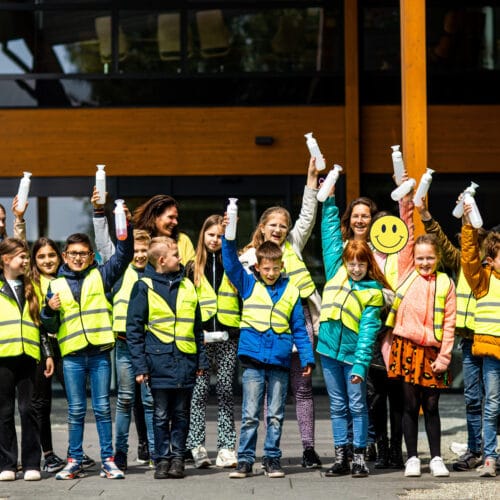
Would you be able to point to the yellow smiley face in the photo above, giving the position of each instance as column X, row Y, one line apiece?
column 389, row 234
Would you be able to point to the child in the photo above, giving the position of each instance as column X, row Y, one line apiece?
column 275, row 224
column 272, row 322
column 220, row 311
column 485, row 284
column 165, row 338
column 19, row 353
column 78, row 310
column 350, row 319
column 423, row 321
column 124, row 370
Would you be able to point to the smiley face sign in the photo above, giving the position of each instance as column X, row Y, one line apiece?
column 389, row 234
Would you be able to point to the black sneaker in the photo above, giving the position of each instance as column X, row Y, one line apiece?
column 340, row 466
column 162, row 468
column 143, row 455
column 358, row 465
column 273, row 468
column 87, row 462
column 468, row 461
column 53, row 463
column 310, row 459
column 243, row 469
column 176, row 470
column 121, row 460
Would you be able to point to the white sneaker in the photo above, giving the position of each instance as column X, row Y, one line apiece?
column 7, row 475
column 438, row 469
column 32, row 475
column 458, row 448
column 226, row 458
column 200, row 457
column 412, row 467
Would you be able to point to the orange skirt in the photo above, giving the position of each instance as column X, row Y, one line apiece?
column 412, row 363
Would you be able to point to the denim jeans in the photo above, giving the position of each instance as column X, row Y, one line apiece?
column 126, row 397
column 171, row 422
column 473, row 394
column 254, row 382
column 491, row 380
column 77, row 368
column 345, row 398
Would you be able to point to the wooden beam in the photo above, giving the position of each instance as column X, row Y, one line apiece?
column 351, row 116
column 414, row 91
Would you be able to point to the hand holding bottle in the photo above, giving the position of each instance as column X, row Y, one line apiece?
column 19, row 214
column 95, row 199
column 312, row 174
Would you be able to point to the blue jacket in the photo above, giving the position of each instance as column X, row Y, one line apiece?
column 267, row 348
column 167, row 366
column 335, row 340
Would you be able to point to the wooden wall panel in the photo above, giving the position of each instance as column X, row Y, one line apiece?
column 167, row 141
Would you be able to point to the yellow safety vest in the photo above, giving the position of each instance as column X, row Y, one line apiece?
column 466, row 304
column 260, row 313
column 297, row 271
column 121, row 299
column 341, row 302
column 443, row 284
column 487, row 320
column 391, row 270
column 87, row 322
column 41, row 290
column 169, row 327
column 225, row 303
column 18, row 333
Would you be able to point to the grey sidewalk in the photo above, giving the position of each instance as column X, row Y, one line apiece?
column 299, row 483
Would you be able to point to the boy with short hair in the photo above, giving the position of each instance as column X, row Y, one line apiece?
column 272, row 322
column 78, row 310
column 165, row 339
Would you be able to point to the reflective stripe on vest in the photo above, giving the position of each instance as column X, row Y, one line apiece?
column 121, row 299
column 466, row 304
column 18, row 334
column 166, row 326
column 487, row 320
column 226, row 302
column 297, row 271
column 259, row 311
column 87, row 322
column 441, row 289
column 341, row 302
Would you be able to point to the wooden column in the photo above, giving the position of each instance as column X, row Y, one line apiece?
column 414, row 91
column 351, row 120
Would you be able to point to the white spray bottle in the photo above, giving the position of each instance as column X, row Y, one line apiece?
column 458, row 211
column 232, row 213
column 403, row 190
column 120, row 220
column 423, row 186
column 312, row 144
column 328, row 183
column 397, row 164
column 23, row 191
column 474, row 216
column 100, row 184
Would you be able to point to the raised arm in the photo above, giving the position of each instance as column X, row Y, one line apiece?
column 331, row 238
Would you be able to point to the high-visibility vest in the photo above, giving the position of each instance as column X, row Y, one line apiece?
column 487, row 320
column 169, row 327
column 18, row 333
column 442, row 287
column 260, row 313
column 121, row 299
column 391, row 270
column 86, row 322
column 466, row 303
column 341, row 302
column 225, row 303
column 297, row 271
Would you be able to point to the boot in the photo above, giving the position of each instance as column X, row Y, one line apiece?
column 371, row 453
column 340, row 466
column 382, row 461
column 396, row 455
column 358, row 465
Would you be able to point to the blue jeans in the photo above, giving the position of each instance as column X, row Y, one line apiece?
column 76, row 371
column 473, row 395
column 345, row 399
column 254, row 382
column 171, row 422
column 491, row 380
column 125, row 400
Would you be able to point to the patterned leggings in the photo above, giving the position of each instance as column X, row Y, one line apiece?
column 222, row 357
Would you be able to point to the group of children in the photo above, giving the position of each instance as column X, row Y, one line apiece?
column 156, row 303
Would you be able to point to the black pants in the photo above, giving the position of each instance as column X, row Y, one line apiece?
column 42, row 395
column 18, row 373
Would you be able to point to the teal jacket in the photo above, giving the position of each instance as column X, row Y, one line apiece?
column 335, row 340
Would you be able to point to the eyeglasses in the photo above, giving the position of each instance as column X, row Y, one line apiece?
column 353, row 265
column 74, row 255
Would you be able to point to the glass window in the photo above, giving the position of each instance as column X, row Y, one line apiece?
column 31, row 217
column 17, row 42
